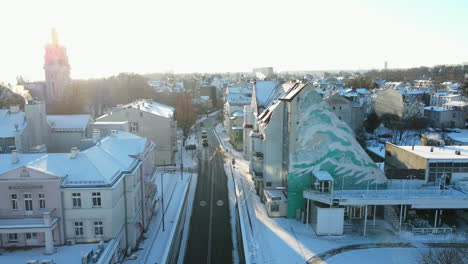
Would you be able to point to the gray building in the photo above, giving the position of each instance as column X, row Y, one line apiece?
column 347, row 110
column 151, row 120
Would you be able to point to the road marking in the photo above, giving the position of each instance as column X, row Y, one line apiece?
column 202, row 203
column 220, row 203
column 208, row 260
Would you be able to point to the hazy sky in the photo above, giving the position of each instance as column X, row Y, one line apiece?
column 107, row 37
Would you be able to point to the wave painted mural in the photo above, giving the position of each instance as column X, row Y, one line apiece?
column 326, row 143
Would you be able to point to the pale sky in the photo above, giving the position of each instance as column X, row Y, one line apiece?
column 104, row 38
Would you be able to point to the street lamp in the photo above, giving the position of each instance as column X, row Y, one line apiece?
column 132, row 257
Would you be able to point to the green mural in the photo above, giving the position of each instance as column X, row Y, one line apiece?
column 328, row 144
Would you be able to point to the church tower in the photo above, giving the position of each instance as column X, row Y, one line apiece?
column 56, row 69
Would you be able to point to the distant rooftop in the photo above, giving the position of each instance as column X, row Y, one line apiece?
column 68, row 122
column 11, row 122
column 447, row 152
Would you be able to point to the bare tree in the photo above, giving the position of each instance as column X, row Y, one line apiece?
column 450, row 255
column 185, row 114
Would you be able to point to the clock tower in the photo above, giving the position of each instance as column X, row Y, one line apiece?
column 56, row 69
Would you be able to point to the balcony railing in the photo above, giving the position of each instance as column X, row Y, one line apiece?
column 12, row 214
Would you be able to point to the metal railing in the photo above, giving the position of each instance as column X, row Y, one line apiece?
column 431, row 230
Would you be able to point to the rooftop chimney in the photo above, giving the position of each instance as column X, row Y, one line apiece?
column 14, row 157
column 73, row 152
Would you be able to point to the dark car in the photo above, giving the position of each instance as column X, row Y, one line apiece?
column 190, row 147
column 202, row 124
column 205, row 142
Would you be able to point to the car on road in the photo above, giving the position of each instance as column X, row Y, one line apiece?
column 190, row 147
column 202, row 124
column 204, row 134
column 205, row 142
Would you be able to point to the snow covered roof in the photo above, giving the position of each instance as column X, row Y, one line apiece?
column 265, row 92
column 68, row 122
column 456, row 103
column 362, row 91
column 322, row 175
column 275, row 196
column 237, row 113
column 379, row 151
column 11, row 122
column 154, row 108
column 460, row 137
column 447, row 152
column 434, row 108
column 101, row 164
column 238, row 99
column 239, row 90
column 148, row 106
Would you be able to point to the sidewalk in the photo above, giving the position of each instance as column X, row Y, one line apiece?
column 156, row 245
column 281, row 240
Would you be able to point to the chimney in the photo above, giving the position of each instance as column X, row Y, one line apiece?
column 14, row 157
column 432, row 149
column 114, row 133
column 96, row 134
column 73, row 152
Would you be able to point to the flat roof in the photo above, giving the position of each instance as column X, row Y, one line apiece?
column 447, row 152
column 32, row 222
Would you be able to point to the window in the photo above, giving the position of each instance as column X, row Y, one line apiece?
column 268, row 184
column 274, row 207
column 14, row 201
column 41, row 200
column 133, row 126
column 340, row 107
column 79, row 231
column 339, row 117
column 31, row 236
column 12, row 237
column 96, row 199
column 76, row 197
column 28, row 205
column 333, row 108
column 98, row 228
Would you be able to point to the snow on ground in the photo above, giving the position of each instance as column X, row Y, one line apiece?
column 64, row 254
column 378, row 255
column 155, row 247
column 281, row 240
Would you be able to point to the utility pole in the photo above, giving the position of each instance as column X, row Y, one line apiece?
column 162, row 196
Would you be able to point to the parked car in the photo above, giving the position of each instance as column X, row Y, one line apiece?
column 202, row 124
column 205, row 142
column 190, row 147
column 204, row 134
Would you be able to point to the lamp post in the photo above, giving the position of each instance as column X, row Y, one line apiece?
column 181, row 160
column 162, row 196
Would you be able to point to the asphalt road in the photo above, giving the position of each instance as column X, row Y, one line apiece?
column 210, row 239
